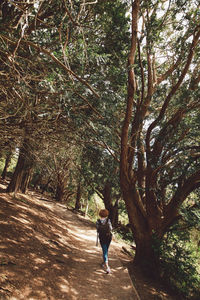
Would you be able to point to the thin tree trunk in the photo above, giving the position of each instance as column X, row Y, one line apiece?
column 25, row 180
column 115, row 214
column 78, row 197
column 15, row 183
column 36, row 180
column 60, row 189
column 45, row 186
column 113, row 209
column 59, row 193
column 24, row 165
column 86, row 208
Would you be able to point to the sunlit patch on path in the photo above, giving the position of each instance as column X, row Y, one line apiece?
column 48, row 252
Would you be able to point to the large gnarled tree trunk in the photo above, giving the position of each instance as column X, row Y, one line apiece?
column 146, row 152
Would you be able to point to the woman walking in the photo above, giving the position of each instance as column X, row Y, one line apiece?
column 104, row 231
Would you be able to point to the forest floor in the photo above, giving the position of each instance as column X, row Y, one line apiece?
column 49, row 252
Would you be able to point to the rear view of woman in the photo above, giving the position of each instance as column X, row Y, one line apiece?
column 104, row 229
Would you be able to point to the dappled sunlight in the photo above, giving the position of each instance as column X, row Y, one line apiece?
column 20, row 219
column 50, row 253
column 39, row 260
column 89, row 250
column 64, row 287
column 79, row 260
column 56, row 267
column 118, row 269
column 65, row 255
column 87, row 237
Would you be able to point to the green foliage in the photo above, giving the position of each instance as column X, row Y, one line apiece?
column 97, row 168
column 179, row 266
column 179, row 256
column 93, row 41
column 94, row 205
column 12, row 164
column 179, row 251
column 125, row 234
column 1, row 165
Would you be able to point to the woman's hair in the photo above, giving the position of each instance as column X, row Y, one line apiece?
column 103, row 213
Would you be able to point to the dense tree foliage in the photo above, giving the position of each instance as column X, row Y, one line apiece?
column 57, row 56
column 85, row 121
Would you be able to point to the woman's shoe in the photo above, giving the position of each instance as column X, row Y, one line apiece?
column 108, row 271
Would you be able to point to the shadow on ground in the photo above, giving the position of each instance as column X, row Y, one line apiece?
column 48, row 252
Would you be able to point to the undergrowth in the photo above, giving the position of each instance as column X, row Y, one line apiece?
column 179, row 264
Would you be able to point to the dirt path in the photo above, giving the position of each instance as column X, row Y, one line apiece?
column 49, row 252
column 92, row 282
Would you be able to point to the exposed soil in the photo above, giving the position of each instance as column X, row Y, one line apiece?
column 49, row 252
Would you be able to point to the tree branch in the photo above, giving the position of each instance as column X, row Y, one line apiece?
column 174, row 88
column 56, row 60
column 184, row 189
column 124, row 173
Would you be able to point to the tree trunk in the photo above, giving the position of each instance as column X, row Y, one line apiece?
column 113, row 209
column 36, row 179
column 78, row 197
column 86, row 207
column 15, row 183
column 115, row 214
column 146, row 256
column 59, row 193
column 20, row 177
column 25, row 180
column 45, row 186
column 7, row 162
column 60, row 189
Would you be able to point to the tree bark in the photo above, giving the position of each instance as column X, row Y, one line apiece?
column 45, row 186
column 21, row 175
column 144, row 235
column 146, row 256
column 60, row 189
column 107, row 199
column 115, row 214
column 26, row 179
column 15, row 183
column 141, row 222
column 78, row 197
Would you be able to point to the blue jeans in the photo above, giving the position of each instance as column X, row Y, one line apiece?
column 105, row 251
